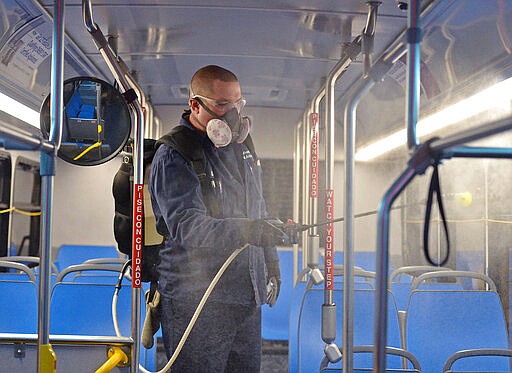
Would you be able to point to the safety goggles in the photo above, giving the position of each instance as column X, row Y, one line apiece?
column 223, row 106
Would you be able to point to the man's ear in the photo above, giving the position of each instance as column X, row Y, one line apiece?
column 194, row 105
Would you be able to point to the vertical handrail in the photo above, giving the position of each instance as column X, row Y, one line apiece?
column 348, row 259
column 413, row 71
column 316, row 109
column 150, row 122
column 46, row 359
column 349, row 138
column 305, row 183
column 133, row 93
column 313, row 197
column 486, row 219
column 329, row 307
column 158, row 129
column 296, row 194
column 313, row 188
column 382, row 265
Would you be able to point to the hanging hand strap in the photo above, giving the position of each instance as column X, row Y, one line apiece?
column 435, row 188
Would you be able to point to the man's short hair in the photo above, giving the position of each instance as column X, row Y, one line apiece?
column 201, row 82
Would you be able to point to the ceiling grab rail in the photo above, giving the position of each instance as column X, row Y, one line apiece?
column 134, row 96
column 331, row 350
column 424, row 155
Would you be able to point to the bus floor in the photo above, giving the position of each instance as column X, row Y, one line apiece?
column 274, row 358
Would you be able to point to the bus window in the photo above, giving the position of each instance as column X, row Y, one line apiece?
column 27, row 201
column 5, row 200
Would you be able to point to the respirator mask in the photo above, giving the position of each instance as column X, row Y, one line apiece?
column 228, row 128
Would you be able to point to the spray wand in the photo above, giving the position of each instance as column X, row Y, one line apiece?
column 292, row 229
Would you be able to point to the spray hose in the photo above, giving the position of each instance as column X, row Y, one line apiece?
column 194, row 316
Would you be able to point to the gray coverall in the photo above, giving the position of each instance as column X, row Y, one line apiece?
column 199, row 239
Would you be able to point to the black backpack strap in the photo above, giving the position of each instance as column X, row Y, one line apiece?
column 250, row 145
column 189, row 144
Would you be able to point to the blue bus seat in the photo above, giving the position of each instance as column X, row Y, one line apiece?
column 440, row 323
column 402, row 291
column 86, row 309
column 400, row 282
column 362, row 281
column 75, row 108
column 311, row 346
column 77, row 254
column 18, row 307
column 274, row 320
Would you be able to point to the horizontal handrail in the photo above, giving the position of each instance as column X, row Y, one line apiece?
column 475, row 352
column 86, row 267
column 27, row 259
column 416, row 270
column 67, row 339
column 429, row 275
column 120, row 261
column 466, row 136
column 20, row 267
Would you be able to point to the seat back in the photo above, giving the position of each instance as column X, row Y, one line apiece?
column 311, row 346
column 442, row 322
column 86, row 309
column 73, row 105
column 77, row 254
column 400, row 282
column 18, row 307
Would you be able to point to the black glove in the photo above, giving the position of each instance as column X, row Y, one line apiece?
column 263, row 233
column 273, row 282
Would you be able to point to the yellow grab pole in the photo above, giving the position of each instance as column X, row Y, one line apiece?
column 47, row 359
column 116, row 356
